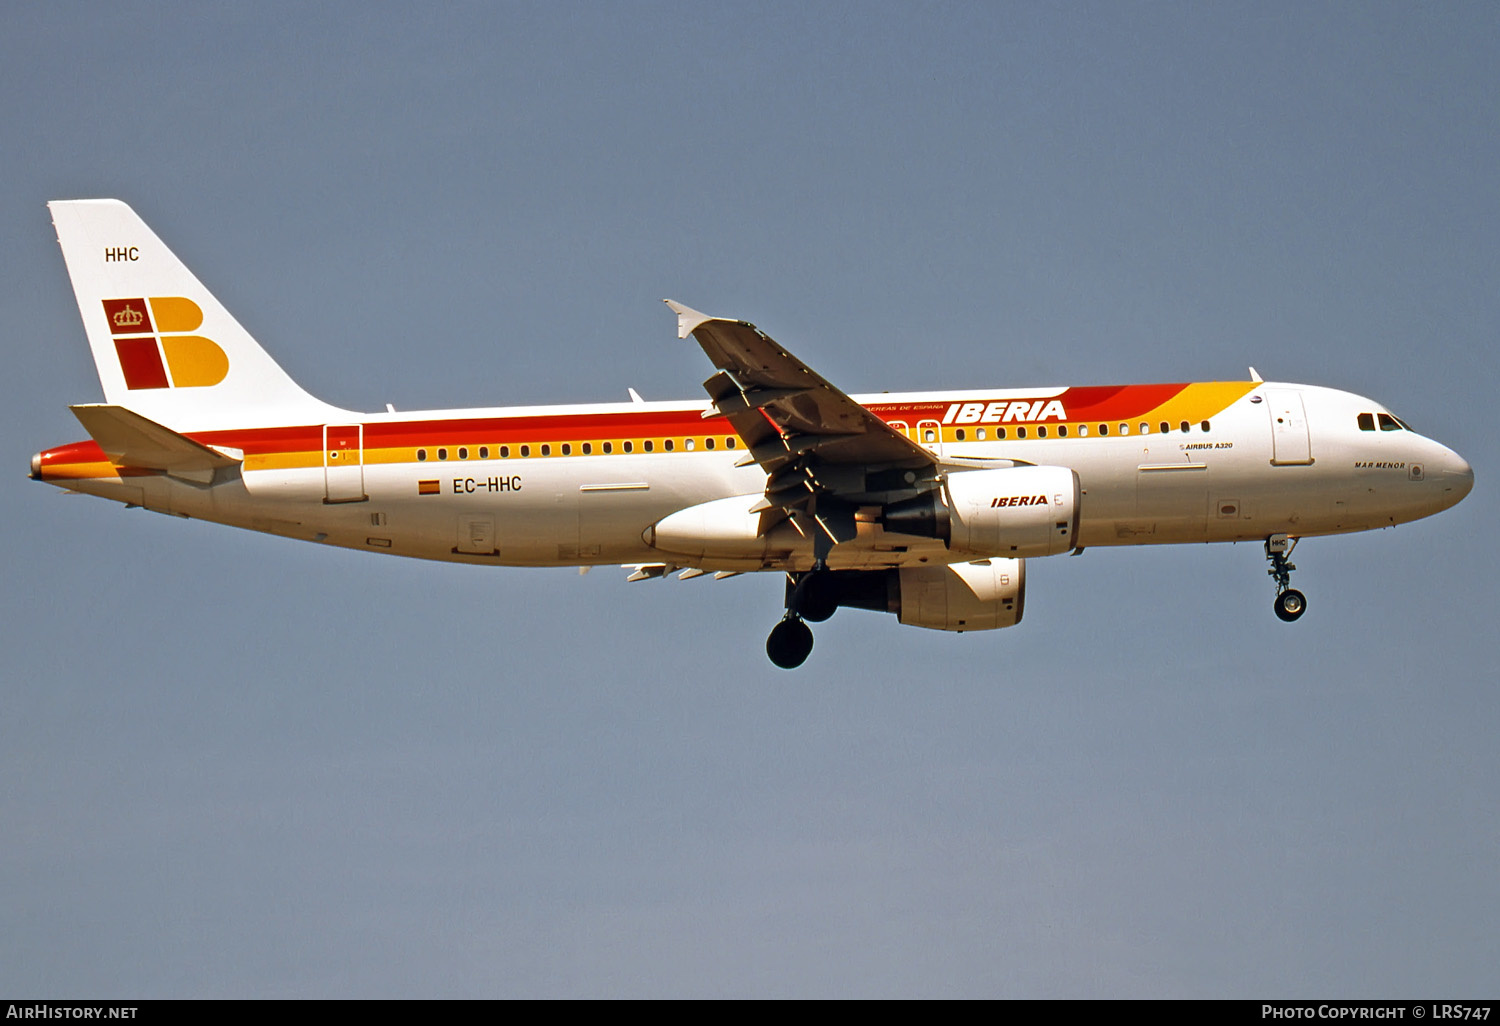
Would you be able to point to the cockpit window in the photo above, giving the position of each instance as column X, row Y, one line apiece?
column 1389, row 423
column 1367, row 422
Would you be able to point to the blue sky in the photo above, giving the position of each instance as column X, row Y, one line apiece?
column 235, row 765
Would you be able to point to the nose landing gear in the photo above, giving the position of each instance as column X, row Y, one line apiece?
column 1290, row 603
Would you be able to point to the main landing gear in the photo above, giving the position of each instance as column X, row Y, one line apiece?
column 807, row 598
column 790, row 643
column 1290, row 603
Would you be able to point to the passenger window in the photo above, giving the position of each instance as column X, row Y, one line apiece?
column 729, row 442
column 1204, row 425
column 1083, row 430
column 484, row 452
column 999, row 432
column 588, row 448
column 567, row 450
column 1041, row 432
column 627, row 447
column 546, row 450
column 979, row 434
column 1020, row 432
column 421, row 455
column 463, row 452
column 505, row 452
column 928, row 435
column 608, row 448
column 687, row 444
column 647, row 445
column 708, row 443
column 1062, row 431
column 1104, row 429
column 442, row 454
column 959, row 435
column 667, row 445
column 1389, row 423
column 1145, row 428
column 1185, row 427
column 1165, row 427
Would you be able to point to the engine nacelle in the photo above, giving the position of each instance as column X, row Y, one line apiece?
column 982, row 596
column 1015, row 512
column 721, row 529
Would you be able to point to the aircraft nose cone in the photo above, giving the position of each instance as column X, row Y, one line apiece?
column 1460, row 476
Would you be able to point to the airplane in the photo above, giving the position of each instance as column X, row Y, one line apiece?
column 926, row 505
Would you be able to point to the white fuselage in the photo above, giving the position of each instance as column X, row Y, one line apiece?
column 1252, row 473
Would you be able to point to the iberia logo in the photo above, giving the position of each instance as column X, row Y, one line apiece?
column 153, row 341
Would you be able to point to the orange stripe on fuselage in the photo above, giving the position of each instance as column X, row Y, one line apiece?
column 301, row 446
column 82, row 461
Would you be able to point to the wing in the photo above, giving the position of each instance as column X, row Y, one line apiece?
column 823, row 453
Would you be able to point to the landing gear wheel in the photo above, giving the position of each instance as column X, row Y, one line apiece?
column 790, row 643
column 815, row 612
column 1290, row 604
column 811, row 596
column 816, row 602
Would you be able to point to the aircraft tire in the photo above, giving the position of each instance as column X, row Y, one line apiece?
column 1290, row 605
column 818, row 604
column 790, row 643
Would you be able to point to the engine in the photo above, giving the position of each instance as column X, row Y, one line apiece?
column 1016, row 511
column 980, row 596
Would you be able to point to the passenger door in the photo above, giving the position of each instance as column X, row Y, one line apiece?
column 1290, row 444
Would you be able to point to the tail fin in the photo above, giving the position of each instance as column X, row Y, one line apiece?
column 163, row 345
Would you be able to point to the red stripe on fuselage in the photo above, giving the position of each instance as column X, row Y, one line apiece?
column 76, row 452
column 1090, row 402
column 1116, row 402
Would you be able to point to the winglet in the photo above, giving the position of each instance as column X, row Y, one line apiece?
column 1255, row 375
column 687, row 317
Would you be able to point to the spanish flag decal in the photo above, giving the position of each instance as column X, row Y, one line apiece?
column 428, row 488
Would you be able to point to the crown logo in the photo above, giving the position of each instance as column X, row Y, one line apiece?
column 129, row 317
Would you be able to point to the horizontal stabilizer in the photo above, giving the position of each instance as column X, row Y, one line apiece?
column 130, row 440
